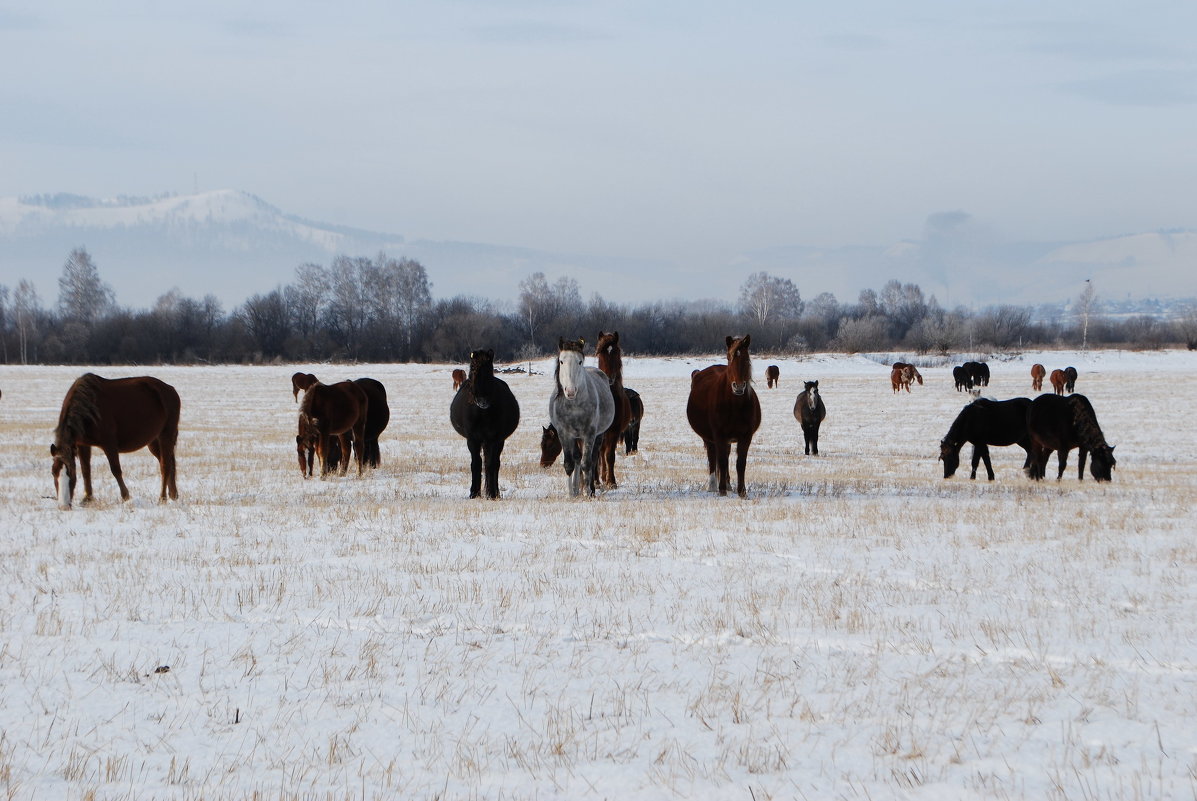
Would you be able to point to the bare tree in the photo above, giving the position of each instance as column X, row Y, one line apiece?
column 82, row 296
column 1084, row 308
column 767, row 297
column 26, row 308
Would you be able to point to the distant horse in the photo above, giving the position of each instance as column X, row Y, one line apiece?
column 1038, row 371
column 1070, row 380
column 581, row 409
column 772, row 373
column 978, row 373
column 459, row 377
column 332, row 410
column 117, row 416
column 631, row 434
column 986, row 422
column 486, row 413
column 1060, row 424
column 610, row 361
column 301, row 381
column 378, row 415
column 809, row 411
column 1058, row 379
column 962, row 378
column 723, row 408
column 903, row 375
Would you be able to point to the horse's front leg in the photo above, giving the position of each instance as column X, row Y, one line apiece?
column 475, row 446
column 1082, row 455
column 722, row 457
column 572, row 457
column 85, row 471
column 741, row 463
column 493, row 452
column 1063, row 463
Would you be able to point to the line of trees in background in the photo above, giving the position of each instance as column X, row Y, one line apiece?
column 382, row 309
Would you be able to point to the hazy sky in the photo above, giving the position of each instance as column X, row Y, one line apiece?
column 686, row 131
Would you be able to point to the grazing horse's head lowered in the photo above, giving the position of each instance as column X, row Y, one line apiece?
column 739, row 363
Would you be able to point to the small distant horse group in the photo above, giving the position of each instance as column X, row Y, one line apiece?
column 970, row 375
column 723, row 409
column 338, row 419
column 903, row 375
column 117, row 416
column 1063, row 381
column 772, row 374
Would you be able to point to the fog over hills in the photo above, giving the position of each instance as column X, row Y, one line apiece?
column 233, row 244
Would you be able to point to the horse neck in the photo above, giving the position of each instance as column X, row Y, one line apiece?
column 79, row 411
column 959, row 431
column 1084, row 421
column 611, row 363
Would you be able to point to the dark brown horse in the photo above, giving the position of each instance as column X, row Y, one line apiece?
column 1058, row 380
column 459, row 377
column 331, row 410
column 378, row 415
column 1070, row 379
column 772, row 373
column 117, row 416
column 809, row 411
column 301, row 381
column 723, row 408
column 610, row 361
column 1038, row 371
column 1060, row 424
column 631, row 434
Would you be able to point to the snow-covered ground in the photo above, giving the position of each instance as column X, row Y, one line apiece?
column 858, row 628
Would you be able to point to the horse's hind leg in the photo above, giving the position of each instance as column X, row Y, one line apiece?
column 155, row 448
column 1082, row 455
column 114, row 462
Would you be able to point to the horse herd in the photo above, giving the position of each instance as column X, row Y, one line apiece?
column 590, row 413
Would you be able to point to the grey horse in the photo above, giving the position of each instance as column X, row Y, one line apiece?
column 581, row 409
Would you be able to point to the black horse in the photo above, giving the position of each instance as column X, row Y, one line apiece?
column 486, row 413
column 1070, row 380
column 978, row 373
column 810, row 411
column 631, row 434
column 962, row 378
column 1059, row 423
column 986, row 422
column 378, row 414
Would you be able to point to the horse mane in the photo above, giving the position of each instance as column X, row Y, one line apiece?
column 79, row 409
column 1084, row 422
column 305, row 406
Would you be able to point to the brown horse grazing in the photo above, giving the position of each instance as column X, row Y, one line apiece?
column 330, row 410
column 610, row 361
column 459, row 377
column 723, row 408
column 772, row 373
column 118, row 416
column 1058, row 380
column 1060, row 424
column 1038, row 371
column 301, row 381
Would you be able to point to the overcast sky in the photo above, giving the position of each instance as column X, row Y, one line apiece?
column 685, row 131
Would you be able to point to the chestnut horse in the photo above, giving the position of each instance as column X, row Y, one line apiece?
column 772, row 373
column 301, row 381
column 809, row 411
column 1061, row 424
column 610, row 361
column 723, row 408
column 903, row 375
column 330, row 410
column 118, row 416
column 486, row 413
column 1058, row 380
column 1038, row 371
column 459, row 377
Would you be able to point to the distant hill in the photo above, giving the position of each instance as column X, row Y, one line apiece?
column 234, row 244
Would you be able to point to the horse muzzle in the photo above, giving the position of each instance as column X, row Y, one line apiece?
column 482, row 403
column 739, row 388
column 571, row 393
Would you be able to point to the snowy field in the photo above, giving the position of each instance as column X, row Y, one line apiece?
column 859, row 628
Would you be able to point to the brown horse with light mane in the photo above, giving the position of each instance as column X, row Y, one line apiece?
column 723, row 408
column 332, row 410
column 301, row 381
column 1038, row 371
column 118, row 416
column 772, row 374
column 610, row 361
column 459, row 377
column 1058, row 380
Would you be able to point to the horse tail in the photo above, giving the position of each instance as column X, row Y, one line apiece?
column 1084, row 422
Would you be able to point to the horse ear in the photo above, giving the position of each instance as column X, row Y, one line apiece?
column 615, row 336
column 490, row 354
column 730, row 339
column 747, row 340
column 560, row 343
column 54, row 449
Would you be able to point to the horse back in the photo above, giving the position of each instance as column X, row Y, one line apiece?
column 126, row 413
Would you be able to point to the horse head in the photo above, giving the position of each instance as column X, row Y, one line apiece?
column 477, row 384
column 63, row 454
column 1102, row 462
column 569, row 366
column 811, row 388
column 739, row 363
column 610, row 357
column 949, row 454
column 550, row 446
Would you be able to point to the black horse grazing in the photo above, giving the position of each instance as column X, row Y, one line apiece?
column 378, row 414
column 810, row 411
column 986, row 422
column 978, row 373
column 1070, row 380
column 631, row 434
column 962, row 378
column 1058, row 423
column 486, row 413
